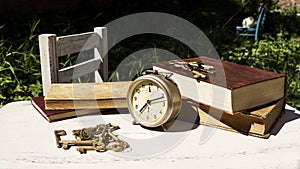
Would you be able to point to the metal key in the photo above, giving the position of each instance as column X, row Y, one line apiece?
column 186, row 66
column 199, row 69
column 99, row 138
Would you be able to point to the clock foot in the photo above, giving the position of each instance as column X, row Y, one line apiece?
column 135, row 122
column 167, row 125
column 165, row 128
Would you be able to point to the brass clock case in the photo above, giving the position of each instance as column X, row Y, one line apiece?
column 164, row 85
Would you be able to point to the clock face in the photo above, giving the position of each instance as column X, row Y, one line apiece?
column 153, row 100
column 149, row 101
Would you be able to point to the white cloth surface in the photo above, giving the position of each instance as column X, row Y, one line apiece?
column 27, row 141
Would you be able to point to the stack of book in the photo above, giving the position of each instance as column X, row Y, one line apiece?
column 236, row 97
column 67, row 100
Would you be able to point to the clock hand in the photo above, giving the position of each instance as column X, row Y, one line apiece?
column 158, row 101
column 145, row 106
column 148, row 103
column 155, row 99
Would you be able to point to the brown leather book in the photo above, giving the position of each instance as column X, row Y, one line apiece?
column 256, row 122
column 104, row 95
column 232, row 88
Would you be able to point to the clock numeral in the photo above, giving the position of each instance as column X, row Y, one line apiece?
column 135, row 98
column 155, row 117
column 150, row 85
column 148, row 117
column 136, row 107
column 143, row 85
column 161, row 112
column 138, row 90
column 163, row 104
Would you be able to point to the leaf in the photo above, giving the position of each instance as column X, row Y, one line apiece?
column 12, row 70
column 2, row 26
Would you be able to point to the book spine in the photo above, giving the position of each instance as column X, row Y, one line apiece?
column 87, row 104
column 37, row 108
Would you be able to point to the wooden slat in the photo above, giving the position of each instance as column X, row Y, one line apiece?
column 75, row 71
column 77, row 42
column 102, row 52
column 49, row 61
column 51, row 47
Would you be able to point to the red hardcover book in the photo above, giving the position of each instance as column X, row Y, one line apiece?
column 55, row 115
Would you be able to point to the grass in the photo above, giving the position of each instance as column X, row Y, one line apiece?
column 19, row 68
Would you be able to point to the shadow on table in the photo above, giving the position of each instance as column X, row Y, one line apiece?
column 187, row 119
column 287, row 116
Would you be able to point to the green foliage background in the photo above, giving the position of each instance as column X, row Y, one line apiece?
column 275, row 54
column 277, row 50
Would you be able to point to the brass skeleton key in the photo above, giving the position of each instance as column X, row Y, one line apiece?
column 99, row 138
column 106, row 141
column 198, row 69
column 196, row 73
column 66, row 144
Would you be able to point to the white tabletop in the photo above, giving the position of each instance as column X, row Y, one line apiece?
column 27, row 141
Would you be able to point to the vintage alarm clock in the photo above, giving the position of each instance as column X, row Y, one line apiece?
column 153, row 99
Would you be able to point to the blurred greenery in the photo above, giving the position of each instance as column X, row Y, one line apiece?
column 273, row 53
column 277, row 50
